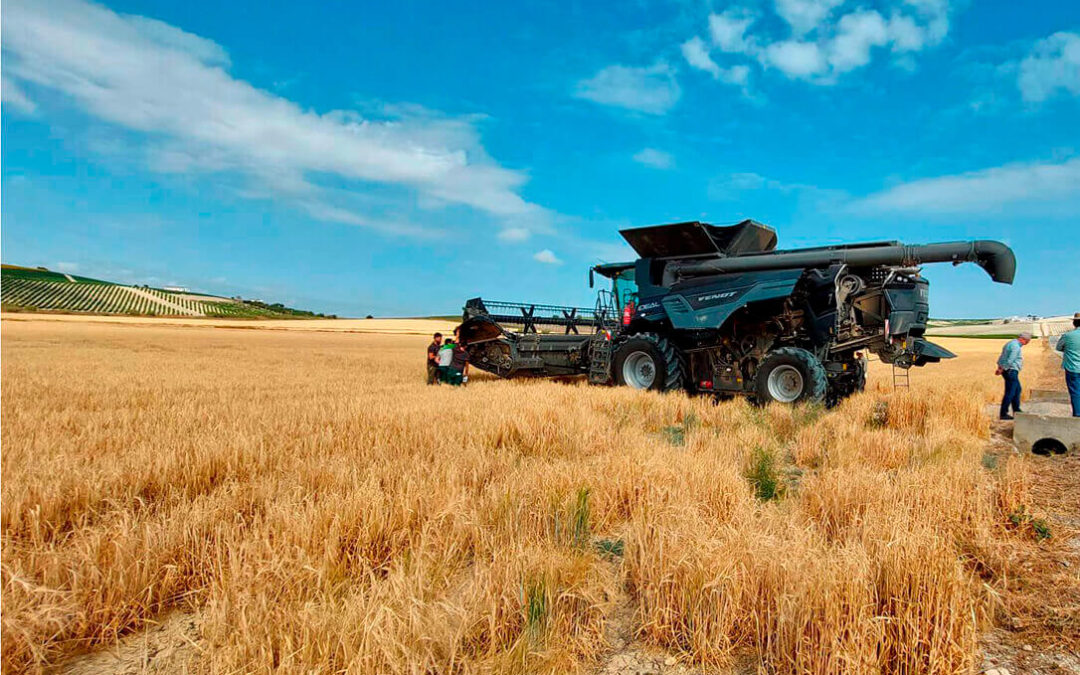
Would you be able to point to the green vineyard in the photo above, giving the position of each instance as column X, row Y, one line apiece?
column 41, row 290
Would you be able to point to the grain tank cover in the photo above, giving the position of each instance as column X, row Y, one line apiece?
column 694, row 238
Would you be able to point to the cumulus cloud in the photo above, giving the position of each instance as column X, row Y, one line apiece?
column 1052, row 67
column 657, row 159
column 547, row 256
column 1039, row 185
column 697, row 56
column 805, row 15
column 796, row 59
column 651, row 90
column 146, row 76
column 728, row 30
column 823, row 39
column 856, row 34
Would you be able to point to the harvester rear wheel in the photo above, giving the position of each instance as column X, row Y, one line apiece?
column 790, row 375
column 648, row 361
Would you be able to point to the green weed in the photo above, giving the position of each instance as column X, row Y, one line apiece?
column 536, row 609
column 1039, row 527
column 763, row 474
column 609, row 548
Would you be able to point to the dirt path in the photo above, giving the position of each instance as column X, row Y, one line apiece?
column 629, row 656
column 1038, row 624
column 171, row 646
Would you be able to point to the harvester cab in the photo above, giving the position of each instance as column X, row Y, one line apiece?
column 621, row 300
column 719, row 310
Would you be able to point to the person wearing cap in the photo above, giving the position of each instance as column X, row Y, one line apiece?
column 1069, row 346
column 1009, row 365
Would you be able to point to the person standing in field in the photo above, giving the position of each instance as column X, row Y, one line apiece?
column 1009, row 365
column 446, row 357
column 1069, row 346
column 459, row 364
column 433, row 358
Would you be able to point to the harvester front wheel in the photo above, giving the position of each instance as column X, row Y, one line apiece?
column 648, row 361
column 790, row 375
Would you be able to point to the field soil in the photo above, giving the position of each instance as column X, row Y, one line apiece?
column 183, row 497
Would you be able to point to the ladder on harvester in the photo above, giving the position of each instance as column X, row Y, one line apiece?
column 600, row 358
column 600, row 345
column 901, row 378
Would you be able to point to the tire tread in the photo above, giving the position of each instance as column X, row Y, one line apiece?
column 674, row 361
column 818, row 379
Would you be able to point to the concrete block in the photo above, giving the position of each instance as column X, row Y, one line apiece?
column 1045, row 427
column 1054, row 395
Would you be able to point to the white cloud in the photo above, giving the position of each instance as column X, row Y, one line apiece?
column 1052, row 65
column 796, row 59
column 856, row 34
column 1036, row 185
column 734, row 186
column 730, row 187
column 739, row 74
column 728, row 30
column 652, row 90
column 206, row 51
column 657, row 159
column 905, row 34
column 821, row 44
column 697, row 55
column 147, row 76
column 67, row 267
column 805, row 15
column 933, row 17
column 514, row 234
column 547, row 256
column 11, row 94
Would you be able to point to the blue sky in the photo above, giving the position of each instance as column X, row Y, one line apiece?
column 398, row 158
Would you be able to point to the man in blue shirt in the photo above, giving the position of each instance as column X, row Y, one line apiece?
column 1010, row 363
column 1069, row 346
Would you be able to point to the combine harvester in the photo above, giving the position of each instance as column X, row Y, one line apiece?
column 717, row 310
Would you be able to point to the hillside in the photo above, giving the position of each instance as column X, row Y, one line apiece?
column 36, row 289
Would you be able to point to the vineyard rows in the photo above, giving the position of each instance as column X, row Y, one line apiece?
column 110, row 299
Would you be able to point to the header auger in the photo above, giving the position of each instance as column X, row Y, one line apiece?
column 718, row 310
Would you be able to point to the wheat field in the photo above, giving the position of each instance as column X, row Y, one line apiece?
column 319, row 509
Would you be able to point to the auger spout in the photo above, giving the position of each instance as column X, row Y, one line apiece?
column 996, row 258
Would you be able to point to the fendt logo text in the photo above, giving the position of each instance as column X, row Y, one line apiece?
column 717, row 296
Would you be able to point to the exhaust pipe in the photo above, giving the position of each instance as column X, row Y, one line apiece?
column 996, row 258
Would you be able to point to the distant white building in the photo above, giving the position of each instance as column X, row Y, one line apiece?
column 177, row 289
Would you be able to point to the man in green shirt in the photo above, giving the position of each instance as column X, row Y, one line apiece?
column 1069, row 346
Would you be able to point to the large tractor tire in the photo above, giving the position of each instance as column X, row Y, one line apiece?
column 848, row 384
column 790, row 375
column 648, row 361
column 860, row 384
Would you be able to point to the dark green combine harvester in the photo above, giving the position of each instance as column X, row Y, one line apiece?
column 718, row 310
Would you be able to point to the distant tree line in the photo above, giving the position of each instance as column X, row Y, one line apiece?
column 279, row 308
